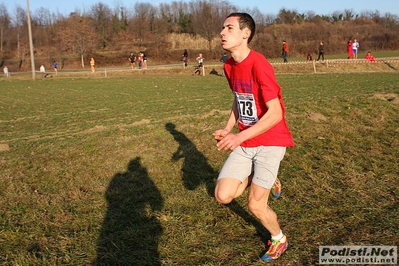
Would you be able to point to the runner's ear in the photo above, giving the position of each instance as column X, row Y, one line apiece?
column 247, row 33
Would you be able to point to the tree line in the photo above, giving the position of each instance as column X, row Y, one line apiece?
column 145, row 26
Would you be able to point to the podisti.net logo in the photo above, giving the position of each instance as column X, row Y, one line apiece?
column 358, row 254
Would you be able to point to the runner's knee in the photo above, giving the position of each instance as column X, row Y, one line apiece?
column 257, row 207
column 223, row 197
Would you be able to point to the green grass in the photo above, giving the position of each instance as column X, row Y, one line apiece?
column 121, row 171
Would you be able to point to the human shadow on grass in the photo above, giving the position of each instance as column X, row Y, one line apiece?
column 195, row 168
column 196, row 171
column 130, row 230
column 214, row 72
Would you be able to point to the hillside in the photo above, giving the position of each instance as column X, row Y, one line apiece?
column 164, row 31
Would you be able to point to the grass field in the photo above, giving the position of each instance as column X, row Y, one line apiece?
column 121, row 170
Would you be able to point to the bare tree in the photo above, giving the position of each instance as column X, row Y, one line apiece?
column 286, row 16
column 349, row 14
column 310, row 15
column 270, row 19
column 119, row 18
column 21, row 30
column 5, row 21
column 148, row 26
column 169, row 18
column 258, row 16
column 102, row 16
column 143, row 21
column 336, row 16
column 391, row 21
column 78, row 35
column 179, row 17
column 42, row 24
column 208, row 18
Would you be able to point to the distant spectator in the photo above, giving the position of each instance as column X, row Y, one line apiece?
column 144, row 60
column 370, row 57
column 200, row 60
column 184, row 58
column 43, row 71
column 321, row 51
column 285, row 51
column 132, row 60
column 140, row 59
column 55, row 66
column 223, row 59
column 349, row 49
column 309, row 57
column 5, row 70
column 92, row 64
column 355, row 48
column 200, row 66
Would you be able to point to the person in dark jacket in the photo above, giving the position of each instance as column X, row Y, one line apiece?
column 224, row 59
column 321, row 51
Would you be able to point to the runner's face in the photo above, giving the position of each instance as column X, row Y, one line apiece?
column 232, row 36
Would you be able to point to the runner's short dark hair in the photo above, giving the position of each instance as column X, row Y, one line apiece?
column 245, row 21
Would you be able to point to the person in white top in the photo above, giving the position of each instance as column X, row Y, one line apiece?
column 355, row 47
column 5, row 70
column 42, row 70
column 200, row 66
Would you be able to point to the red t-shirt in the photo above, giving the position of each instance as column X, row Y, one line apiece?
column 254, row 83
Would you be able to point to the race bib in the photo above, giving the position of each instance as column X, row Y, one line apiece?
column 246, row 108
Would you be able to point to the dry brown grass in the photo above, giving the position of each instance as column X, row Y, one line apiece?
column 187, row 41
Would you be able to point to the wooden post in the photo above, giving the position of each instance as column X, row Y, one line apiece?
column 314, row 66
column 32, row 53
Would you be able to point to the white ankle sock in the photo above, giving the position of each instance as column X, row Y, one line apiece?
column 279, row 236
